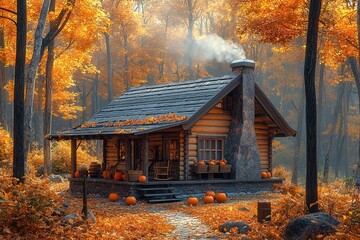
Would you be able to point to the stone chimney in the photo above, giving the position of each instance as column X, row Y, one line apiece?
column 242, row 149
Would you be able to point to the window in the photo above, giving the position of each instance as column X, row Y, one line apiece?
column 211, row 149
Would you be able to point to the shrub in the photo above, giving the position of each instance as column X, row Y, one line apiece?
column 6, row 146
column 61, row 157
column 26, row 208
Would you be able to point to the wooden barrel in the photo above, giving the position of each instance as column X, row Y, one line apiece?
column 95, row 170
column 264, row 211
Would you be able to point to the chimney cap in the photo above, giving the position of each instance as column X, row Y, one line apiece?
column 242, row 63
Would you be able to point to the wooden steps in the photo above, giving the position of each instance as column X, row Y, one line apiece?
column 158, row 193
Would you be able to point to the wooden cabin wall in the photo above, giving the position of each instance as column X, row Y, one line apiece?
column 111, row 154
column 182, row 156
column 216, row 124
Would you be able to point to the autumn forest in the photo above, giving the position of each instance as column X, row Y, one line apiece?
column 64, row 61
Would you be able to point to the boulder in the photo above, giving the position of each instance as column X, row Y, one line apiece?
column 70, row 217
column 91, row 217
column 308, row 226
column 66, row 204
column 56, row 178
column 242, row 227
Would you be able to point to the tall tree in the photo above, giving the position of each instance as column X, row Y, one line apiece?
column 19, row 157
column 48, row 96
column 2, row 81
column 310, row 96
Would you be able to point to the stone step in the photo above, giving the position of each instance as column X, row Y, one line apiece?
column 161, row 194
column 163, row 200
column 156, row 189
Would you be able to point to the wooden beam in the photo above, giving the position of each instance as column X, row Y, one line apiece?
column 128, row 153
column 146, row 158
column 104, row 155
column 186, row 175
column 73, row 157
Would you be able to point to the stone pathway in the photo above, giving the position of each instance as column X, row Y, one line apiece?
column 187, row 226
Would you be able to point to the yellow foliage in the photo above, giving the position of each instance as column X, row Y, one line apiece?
column 61, row 156
column 6, row 146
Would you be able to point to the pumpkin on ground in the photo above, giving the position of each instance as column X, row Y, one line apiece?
column 220, row 197
column 210, row 193
column 208, row 199
column 113, row 197
column 268, row 174
column 77, row 174
column 106, row 174
column 263, row 175
column 193, row 201
column 118, row 176
column 130, row 201
column 142, row 178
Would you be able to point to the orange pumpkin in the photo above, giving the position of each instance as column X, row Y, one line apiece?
column 142, row 178
column 193, row 201
column 210, row 193
column 220, row 197
column 130, row 200
column 113, row 197
column 118, row 176
column 208, row 199
column 268, row 174
column 222, row 163
column 124, row 177
column 201, row 163
column 77, row 174
column 106, row 174
column 263, row 175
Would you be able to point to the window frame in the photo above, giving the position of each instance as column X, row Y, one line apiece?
column 204, row 150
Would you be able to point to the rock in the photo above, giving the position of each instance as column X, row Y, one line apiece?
column 308, row 226
column 244, row 209
column 242, row 227
column 72, row 217
column 40, row 171
column 91, row 216
column 56, row 178
column 58, row 212
column 66, row 204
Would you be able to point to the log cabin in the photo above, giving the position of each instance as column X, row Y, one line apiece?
column 167, row 131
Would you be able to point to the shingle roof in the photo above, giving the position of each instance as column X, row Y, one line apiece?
column 188, row 99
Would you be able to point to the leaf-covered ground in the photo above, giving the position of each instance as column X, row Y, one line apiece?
column 171, row 221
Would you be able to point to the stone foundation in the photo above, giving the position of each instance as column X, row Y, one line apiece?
column 197, row 188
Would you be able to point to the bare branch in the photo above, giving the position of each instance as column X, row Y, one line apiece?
column 9, row 19
column 8, row 10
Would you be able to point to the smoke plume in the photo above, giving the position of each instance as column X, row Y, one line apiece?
column 212, row 47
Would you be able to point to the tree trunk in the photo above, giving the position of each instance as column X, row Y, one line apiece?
column 190, row 39
column 31, row 76
column 39, row 117
column 48, row 99
column 319, row 113
column 355, row 70
column 301, row 111
column 332, row 132
column 3, row 122
column 109, row 67
column 309, row 78
column 19, row 156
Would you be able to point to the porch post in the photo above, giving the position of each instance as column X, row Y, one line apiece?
column 73, row 157
column 128, row 154
column 145, row 158
column 186, row 169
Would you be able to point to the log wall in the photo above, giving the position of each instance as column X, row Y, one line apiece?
column 216, row 124
column 111, row 154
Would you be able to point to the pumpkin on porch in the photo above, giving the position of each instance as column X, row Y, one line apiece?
column 202, row 163
column 208, row 199
column 222, row 163
column 77, row 174
column 118, row 176
column 268, row 174
column 142, row 178
column 210, row 193
column 130, row 201
column 263, row 175
column 193, row 201
column 113, row 197
column 106, row 174
column 220, row 197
